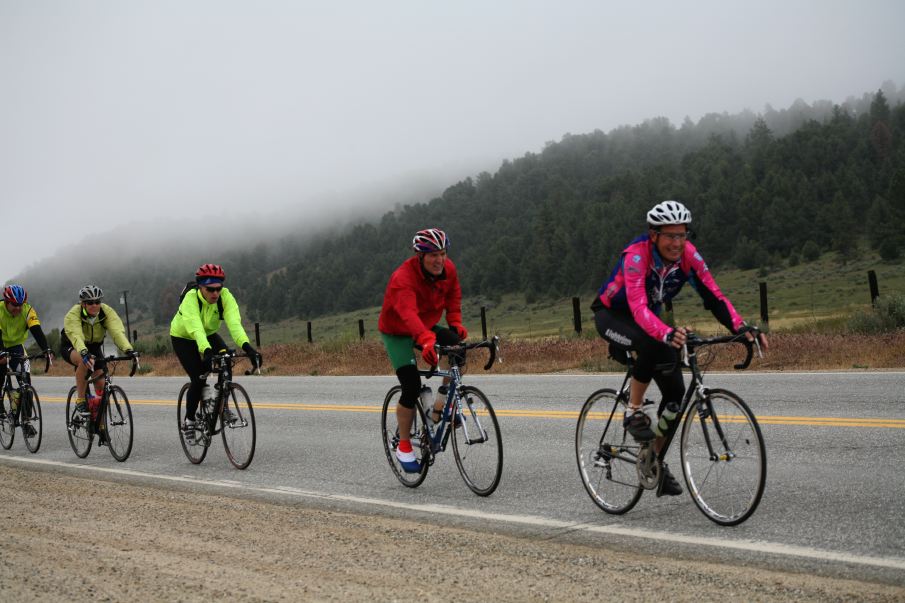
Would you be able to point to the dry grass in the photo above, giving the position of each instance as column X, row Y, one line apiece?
column 788, row 352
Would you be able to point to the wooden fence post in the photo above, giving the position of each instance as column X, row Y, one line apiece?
column 576, row 314
column 764, row 311
column 309, row 332
column 258, row 334
column 874, row 289
column 361, row 328
column 484, row 322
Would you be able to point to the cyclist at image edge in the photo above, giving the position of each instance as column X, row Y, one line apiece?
column 418, row 293
column 17, row 319
column 651, row 271
column 193, row 332
column 81, row 342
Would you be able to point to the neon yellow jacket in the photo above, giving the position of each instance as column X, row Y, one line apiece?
column 15, row 328
column 196, row 319
column 81, row 332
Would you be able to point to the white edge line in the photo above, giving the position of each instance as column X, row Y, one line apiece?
column 774, row 548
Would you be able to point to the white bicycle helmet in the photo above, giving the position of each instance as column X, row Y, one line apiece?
column 429, row 240
column 668, row 213
column 90, row 293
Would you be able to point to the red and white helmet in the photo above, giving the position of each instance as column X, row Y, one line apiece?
column 430, row 240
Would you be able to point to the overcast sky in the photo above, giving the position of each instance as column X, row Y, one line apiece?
column 114, row 112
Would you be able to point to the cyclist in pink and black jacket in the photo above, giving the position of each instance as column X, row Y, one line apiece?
column 650, row 272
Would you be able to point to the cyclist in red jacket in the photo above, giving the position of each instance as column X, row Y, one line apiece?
column 419, row 292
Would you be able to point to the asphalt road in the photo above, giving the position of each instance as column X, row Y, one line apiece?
column 833, row 501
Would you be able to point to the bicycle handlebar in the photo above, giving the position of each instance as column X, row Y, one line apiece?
column 693, row 341
column 492, row 344
column 48, row 358
column 133, row 357
column 230, row 354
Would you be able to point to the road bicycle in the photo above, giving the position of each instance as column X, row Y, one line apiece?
column 110, row 420
column 467, row 415
column 231, row 406
column 20, row 405
column 722, row 451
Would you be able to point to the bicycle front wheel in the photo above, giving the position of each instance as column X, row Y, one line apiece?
column 607, row 455
column 477, row 445
column 30, row 418
column 78, row 428
column 7, row 420
column 118, row 424
column 389, row 429
column 196, row 449
column 238, row 427
column 723, row 457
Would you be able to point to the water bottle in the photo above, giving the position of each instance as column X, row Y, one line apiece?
column 207, row 398
column 426, row 401
column 666, row 418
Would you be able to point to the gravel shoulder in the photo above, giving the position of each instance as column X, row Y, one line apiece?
column 112, row 541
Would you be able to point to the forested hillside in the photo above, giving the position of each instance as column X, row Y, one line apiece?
column 764, row 189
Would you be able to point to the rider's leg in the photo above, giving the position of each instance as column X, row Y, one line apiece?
column 190, row 358
column 405, row 408
column 81, row 374
column 671, row 384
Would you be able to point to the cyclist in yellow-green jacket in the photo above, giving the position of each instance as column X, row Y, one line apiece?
column 81, row 341
column 194, row 333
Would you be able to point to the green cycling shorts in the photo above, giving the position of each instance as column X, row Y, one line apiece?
column 400, row 349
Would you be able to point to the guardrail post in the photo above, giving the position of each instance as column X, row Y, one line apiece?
column 764, row 311
column 309, row 332
column 874, row 289
column 576, row 314
column 361, row 328
column 484, row 322
column 134, row 335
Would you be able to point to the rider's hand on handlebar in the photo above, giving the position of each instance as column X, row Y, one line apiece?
column 749, row 335
column 427, row 340
column 87, row 359
column 460, row 331
column 254, row 357
column 677, row 337
column 208, row 360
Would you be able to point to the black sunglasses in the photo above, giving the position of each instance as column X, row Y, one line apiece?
column 213, row 289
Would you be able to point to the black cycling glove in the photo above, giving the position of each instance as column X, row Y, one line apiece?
column 253, row 355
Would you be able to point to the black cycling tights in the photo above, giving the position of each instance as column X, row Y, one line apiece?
column 623, row 333
column 190, row 359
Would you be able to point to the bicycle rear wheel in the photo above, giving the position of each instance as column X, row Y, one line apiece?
column 196, row 450
column 477, row 445
column 723, row 457
column 7, row 420
column 118, row 424
column 238, row 431
column 389, row 429
column 30, row 419
column 78, row 428
column 607, row 454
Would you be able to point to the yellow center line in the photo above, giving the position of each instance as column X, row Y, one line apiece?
column 558, row 414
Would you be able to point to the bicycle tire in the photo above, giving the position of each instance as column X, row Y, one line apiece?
column 389, row 430
column 195, row 452
column 477, row 443
column 118, row 423
column 726, row 486
column 77, row 428
column 8, row 421
column 607, row 454
column 239, row 436
column 30, row 416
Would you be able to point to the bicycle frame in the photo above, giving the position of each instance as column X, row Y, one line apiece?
column 452, row 408
column 106, row 374
column 695, row 389
column 22, row 375
column 223, row 366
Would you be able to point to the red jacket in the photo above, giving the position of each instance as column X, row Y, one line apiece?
column 413, row 303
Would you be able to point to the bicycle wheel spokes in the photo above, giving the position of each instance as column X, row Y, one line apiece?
column 77, row 428
column 196, row 450
column 7, row 420
column 723, row 457
column 30, row 418
column 238, row 427
column 389, row 429
column 607, row 454
column 477, row 445
column 118, row 424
